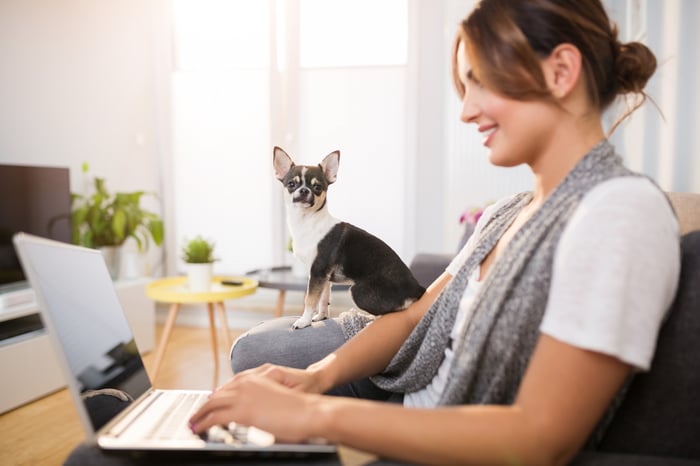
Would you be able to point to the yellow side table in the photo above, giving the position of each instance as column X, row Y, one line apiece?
column 174, row 290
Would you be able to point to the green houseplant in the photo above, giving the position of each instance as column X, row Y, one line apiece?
column 198, row 254
column 104, row 221
column 198, row 251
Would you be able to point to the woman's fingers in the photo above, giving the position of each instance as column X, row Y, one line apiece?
column 256, row 400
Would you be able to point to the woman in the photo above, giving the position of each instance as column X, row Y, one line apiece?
column 521, row 350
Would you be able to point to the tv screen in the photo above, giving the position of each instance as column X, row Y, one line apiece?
column 35, row 200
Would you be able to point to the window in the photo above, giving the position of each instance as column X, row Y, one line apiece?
column 328, row 75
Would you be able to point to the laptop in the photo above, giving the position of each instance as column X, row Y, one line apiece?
column 97, row 350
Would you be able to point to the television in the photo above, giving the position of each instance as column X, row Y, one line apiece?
column 36, row 200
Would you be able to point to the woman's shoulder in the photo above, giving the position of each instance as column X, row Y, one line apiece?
column 615, row 271
column 632, row 200
column 626, row 188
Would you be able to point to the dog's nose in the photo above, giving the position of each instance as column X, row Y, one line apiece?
column 304, row 191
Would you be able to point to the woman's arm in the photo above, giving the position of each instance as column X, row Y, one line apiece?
column 368, row 353
column 564, row 393
column 371, row 350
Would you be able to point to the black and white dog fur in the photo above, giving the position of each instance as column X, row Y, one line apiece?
column 335, row 251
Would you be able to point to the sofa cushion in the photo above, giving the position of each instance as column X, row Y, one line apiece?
column 661, row 413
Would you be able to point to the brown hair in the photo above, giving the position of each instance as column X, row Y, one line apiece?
column 506, row 39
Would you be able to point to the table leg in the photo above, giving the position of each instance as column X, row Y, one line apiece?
column 174, row 308
column 224, row 324
column 215, row 346
column 280, row 303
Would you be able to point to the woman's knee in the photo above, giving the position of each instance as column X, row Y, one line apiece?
column 274, row 341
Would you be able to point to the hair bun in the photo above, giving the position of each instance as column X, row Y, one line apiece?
column 634, row 65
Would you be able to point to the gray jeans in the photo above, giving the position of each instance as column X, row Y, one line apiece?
column 275, row 341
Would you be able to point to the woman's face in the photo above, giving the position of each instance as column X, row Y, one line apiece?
column 514, row 131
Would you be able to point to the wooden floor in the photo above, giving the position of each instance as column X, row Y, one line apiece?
column 45, row 431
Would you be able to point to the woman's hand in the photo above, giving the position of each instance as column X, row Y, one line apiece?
column 270, row 398
column 304, row 380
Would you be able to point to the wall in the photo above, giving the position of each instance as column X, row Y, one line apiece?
column 77, row 85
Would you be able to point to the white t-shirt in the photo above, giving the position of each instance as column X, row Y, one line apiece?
column 614, row 277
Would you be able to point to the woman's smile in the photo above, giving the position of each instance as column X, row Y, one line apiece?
column 487, row 131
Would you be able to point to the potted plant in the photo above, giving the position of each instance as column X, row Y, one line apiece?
column 198, row 254
column 104, row 221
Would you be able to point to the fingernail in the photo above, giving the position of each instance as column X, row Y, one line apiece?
column 193, row 427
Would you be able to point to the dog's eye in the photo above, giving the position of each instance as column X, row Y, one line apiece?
column 291, row 184
column 317, row 188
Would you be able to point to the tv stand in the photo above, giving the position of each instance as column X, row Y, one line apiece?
column 15, row 297
column 28, row 365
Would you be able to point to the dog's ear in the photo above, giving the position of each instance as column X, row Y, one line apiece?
column 329, row 165
column 282, row 162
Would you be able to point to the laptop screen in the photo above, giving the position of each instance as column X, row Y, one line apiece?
column 75, row 290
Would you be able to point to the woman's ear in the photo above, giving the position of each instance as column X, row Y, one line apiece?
column 562, row 69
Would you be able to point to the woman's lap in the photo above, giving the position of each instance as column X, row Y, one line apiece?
column 274, row 341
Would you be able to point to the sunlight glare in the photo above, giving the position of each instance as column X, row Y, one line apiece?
column 221, row 34
column 353, row 33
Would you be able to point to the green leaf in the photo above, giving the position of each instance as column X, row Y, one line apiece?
column 198, row 251
column 119, row 222
column 157, row 229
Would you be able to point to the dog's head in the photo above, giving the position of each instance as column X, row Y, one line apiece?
column 305, row 185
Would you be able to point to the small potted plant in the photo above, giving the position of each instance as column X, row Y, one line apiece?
column 104, row 221
column 198, row 254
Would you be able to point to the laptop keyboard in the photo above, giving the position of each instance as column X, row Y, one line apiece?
column 173, row 421
column 167, row 416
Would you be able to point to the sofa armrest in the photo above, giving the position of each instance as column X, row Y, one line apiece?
column 427, row 267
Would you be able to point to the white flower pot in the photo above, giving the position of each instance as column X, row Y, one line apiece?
column 112, row 257
column 131, row 266
column 199, row 276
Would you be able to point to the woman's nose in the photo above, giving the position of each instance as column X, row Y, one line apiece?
column 470, row 110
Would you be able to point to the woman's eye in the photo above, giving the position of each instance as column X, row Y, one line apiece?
column 471, row 77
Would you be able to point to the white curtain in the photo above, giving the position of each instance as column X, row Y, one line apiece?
column 664, row 141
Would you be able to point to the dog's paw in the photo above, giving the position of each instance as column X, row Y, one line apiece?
column 301, row 322
column 319, row 316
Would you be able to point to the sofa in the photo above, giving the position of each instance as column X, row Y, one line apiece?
column 658, row 423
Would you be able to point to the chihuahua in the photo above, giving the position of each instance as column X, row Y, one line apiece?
column 338, row 252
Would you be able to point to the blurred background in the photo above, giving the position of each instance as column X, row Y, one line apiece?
column 186, row 98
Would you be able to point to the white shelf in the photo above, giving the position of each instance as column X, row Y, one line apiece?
column 13, row 300
column 30, row 369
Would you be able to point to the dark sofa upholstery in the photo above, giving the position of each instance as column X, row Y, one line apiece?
column 660, row 415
